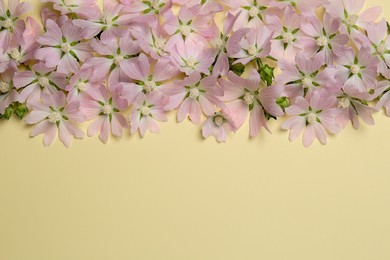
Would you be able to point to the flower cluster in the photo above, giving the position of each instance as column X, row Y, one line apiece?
column 315, row 65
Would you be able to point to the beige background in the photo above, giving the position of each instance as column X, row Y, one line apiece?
column 177, row 196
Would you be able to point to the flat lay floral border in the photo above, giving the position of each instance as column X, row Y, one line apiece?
column 129, row 63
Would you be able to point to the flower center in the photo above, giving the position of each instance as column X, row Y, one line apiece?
column 107, row 109
column 145, row 111
column 55, row 117
column 150, row 86
column 254, row 11
column 44, row 82
column 344, row 103
column 156, row 5
column 15, row 54
column 194, row 93
column 81, row 86
column 288, row 37
column 249, row 98
column 191, row 62
column 185, row 30
column 117, row 60
column 307, row 82
column 311, row 118
column 381, row 48
column 106, row 18
column 252, row 50
column 68, row 2
column 352, row 19
column 355, row 69
column 4, row 87
column 7, row 23
column 217, row 43
column 218, row 120
column 159, row 43
column 322, row 41
column 65, row 47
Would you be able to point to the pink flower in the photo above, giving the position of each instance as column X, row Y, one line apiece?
column 351, row 107
column 252, row 12
column 8, row 93
column 245, row 96
column 194, row 95
column 286, row 33
column 79, row 84
column 112, row 57
column 148, row 109
column 314, row 116
column 105, row 108
column 206, row 6
column 147, row 80
column 384, row 96
column 39, row 79
column 62, row 47
column 378, row 41
column 350, row 13
column 190, row 58
column 111, row 23
column 219, row 41
column 189, row 25
column 250, row 44
column 146, row 11
column 152, row 40
column 324, row 38
column 10, row 23
column 22, row 50
column 306, row 7
column 55, row 114
column 218, row 125
column 356, row 72
column 304, row 76
column 85, row 9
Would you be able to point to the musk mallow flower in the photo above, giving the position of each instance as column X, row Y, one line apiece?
column 152, row 40
column 305, row 7
column 193, row 96
column 188, row 25
column 146, row 11
column 147, row 79
column 314, row 116
column 104, row 106
column 112, row 23
column 349, row 11
column 84, row 9
column 219, row 42
column 79, row 84
column 247, row 45
column 356, row 71
column 62, row 47
column 147, row 110
column 303, row 76
column 8, row 93
column 252, row 12
column 190, row 57
column 246, row 96
column 378, row 41
column 111, row 58
column 53, row 114
column 40, row 79
column 10, row 22
column 286, row 33
column 218, row 125
column 323, row 37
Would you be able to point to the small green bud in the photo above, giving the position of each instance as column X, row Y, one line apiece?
column 8, row 113
column 283, row 102
column 236, row 68
column 20, row 110
column 267, row 74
